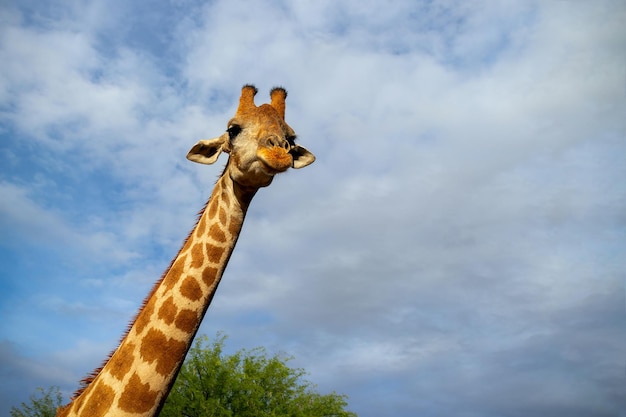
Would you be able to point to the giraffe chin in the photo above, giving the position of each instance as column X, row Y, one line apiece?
column 276, row 159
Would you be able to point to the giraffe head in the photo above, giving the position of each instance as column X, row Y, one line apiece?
column 260, row 143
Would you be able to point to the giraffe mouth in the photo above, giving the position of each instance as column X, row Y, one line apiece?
column 275, row 159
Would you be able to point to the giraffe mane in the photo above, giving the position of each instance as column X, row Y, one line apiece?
column 86, row 381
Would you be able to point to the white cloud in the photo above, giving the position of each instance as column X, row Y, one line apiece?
column 26, row 222
column 456, row 236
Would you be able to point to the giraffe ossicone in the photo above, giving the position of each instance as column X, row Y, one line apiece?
column 136, row 378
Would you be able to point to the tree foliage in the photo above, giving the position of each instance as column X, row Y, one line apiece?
column 43, row 405
column 248, row 383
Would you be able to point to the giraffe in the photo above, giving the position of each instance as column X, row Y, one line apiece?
column 138, row 375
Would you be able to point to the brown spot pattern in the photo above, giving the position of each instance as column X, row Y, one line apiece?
column 201, row 227
column 167, row 352
column 144, row 316
column 137, row 397
column 216, row 233
column 100, row 400
column 186, row 320
column 191, row 289
column 197, row 256
column 214, row 253
column 121, row 362
column 226, row 198
column 208, row 276
column 234, row 228
column 213, row 208
column 168, row 310
column 223, row 216
column 174, row 273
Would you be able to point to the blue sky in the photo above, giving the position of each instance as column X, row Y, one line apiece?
column 456, row 249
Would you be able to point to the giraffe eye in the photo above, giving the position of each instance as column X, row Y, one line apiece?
column 233, row 131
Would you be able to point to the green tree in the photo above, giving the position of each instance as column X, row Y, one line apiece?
column 248, row 383
column 43, row 406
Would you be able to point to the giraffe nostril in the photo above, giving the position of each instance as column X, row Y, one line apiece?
column 275, row 141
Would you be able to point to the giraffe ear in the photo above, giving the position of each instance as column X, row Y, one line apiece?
column 301, row 156
column 206, row 151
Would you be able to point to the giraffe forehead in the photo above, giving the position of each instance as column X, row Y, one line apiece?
column 265, row 118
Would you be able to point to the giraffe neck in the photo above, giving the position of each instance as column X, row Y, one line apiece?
column 138, row 376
